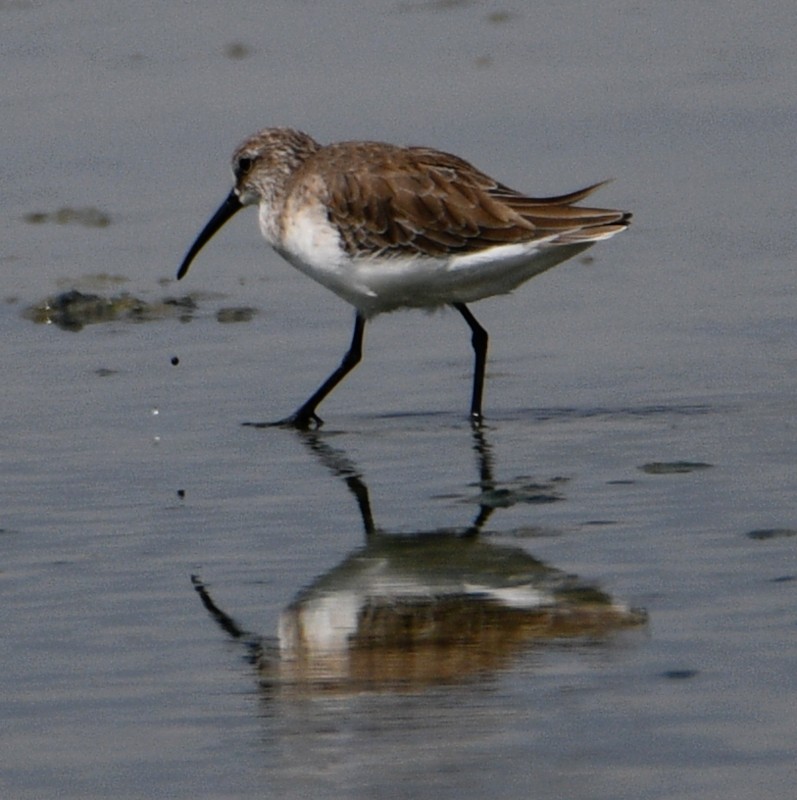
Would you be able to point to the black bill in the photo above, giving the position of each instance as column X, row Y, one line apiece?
column 226, row 210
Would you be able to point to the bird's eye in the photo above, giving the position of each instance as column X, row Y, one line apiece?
column 244, row 163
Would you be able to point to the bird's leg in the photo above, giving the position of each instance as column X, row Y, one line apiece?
column 305, row 417
column 479, row 341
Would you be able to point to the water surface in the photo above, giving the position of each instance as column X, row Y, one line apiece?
column 638, row 455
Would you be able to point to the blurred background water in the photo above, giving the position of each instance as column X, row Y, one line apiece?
column 638, row 455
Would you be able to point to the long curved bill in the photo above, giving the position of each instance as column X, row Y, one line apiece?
column 226, row 210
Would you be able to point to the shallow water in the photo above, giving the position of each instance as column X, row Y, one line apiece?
column 638, row 455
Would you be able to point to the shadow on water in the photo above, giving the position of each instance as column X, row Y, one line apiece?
column 413, row 610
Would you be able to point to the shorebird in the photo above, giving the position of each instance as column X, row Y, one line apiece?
column 387, row 227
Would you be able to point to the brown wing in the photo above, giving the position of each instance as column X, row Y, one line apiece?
column 389, row 200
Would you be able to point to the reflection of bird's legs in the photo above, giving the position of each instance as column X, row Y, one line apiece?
column 484, row 458
column 341, row 465
column 224, row 620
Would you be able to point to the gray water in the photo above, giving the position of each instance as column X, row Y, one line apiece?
column 636, row 470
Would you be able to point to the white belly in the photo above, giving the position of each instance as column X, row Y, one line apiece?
column 376, row 285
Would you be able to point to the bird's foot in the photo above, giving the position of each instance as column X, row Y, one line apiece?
column 300, row 421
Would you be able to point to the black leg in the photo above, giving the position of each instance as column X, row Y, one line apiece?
column 306, row 416
column 479, row 342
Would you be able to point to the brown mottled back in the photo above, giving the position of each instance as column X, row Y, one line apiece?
column 389, row 200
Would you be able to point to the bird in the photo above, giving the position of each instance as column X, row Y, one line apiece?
column 389, row 227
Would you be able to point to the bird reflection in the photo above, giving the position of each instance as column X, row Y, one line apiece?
column 407, row 611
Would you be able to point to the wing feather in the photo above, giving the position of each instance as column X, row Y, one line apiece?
column 391, row 201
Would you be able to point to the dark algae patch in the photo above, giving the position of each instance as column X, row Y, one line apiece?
column 673, row 467
column 761, row 534
column 73, row 310
column 88, row 217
